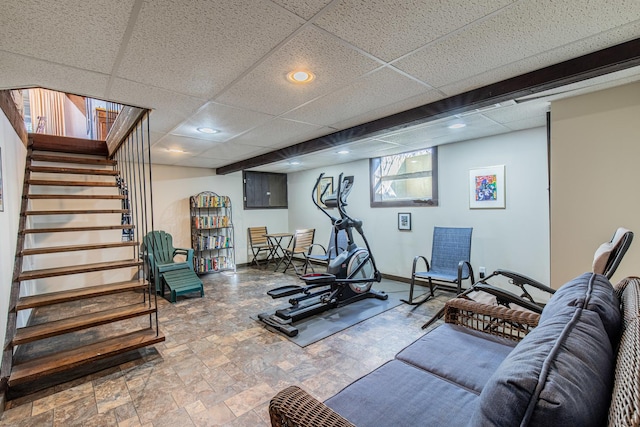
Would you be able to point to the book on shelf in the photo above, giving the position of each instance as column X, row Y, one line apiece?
column 210, row 201
column 210, row 221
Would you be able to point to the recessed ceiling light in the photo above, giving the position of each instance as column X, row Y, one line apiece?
column 174, row 150
column 294, row 163
column 300, row 76
column 457, row 126
column 207, row 130
column 343, row 152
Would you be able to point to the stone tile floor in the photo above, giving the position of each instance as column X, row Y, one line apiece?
column 218, row 366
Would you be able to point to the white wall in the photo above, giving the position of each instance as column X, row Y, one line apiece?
column 595, row 148
column 515, row 238
column 13, row 162
column 172, row 187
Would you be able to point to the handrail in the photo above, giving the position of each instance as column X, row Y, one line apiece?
column 126, row 120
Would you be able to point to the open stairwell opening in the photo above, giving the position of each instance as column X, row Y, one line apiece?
column 80, row 298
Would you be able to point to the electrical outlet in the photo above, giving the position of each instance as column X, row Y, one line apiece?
column 482, row 271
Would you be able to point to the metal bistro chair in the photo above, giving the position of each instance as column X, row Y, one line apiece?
column 335, row 246
column 300, row 246
column 450, row 263
column 258, row 242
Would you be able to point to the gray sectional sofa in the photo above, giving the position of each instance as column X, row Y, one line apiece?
column 576, row 364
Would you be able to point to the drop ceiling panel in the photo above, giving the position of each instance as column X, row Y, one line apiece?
column 303, row 8
column 266, row 88
column 169, row 108
column 401, row 27
column 46, row 32
column 201, row 162
column 280, row 133
column 17, row 71
column 233, row 151
column 368, row 93
column 528, row 123
column 550, row 57
column 536, row 26
column 386, row 110
column 512, row 113
column 228, row 121
column 192, row 146
column 201, row 48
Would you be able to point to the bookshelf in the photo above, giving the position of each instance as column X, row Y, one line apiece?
column 212, row 237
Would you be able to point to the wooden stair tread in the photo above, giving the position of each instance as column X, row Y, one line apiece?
column 69, row 359
column 76, row 323
column 78, row 294
column 71, row 183
column 69, row 159
column 77, row 211
column 73, row 229
column 75, row 269
column 71, row 248
column 80, row 171
column 75, row 196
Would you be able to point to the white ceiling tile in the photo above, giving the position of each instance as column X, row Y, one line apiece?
column 280, row 133
column 389, row 109
column 17, row 71
column 169, row 108
column 228, row 121
column 90, row 40
column 563, row 53
column 192, row 146
column 233, row 151
column 389, row 30
column 303, row 8
column 516, row 112
column 537, row 26
column 201, row 162
column 200, row 49
column 528, row 123
column 371, row 92
column 266, row 88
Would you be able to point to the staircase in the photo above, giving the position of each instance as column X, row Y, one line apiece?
column 79, row 269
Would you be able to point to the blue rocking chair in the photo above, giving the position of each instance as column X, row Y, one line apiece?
column 450, row 263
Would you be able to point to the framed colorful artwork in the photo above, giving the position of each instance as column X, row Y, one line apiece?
column 487, row 188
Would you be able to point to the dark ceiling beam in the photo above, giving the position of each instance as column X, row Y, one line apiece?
column 605, row 61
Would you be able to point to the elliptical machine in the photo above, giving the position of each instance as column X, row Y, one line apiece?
column 349, row 277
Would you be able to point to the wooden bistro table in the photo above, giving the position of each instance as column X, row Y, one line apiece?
column 277, row 249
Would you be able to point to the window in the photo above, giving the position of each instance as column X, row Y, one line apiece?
column 264, row 190
column 406, row 179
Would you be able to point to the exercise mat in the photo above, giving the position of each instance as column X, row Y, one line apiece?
column 315, row 328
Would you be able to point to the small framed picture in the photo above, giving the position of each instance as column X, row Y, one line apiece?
column 487, row 188
column 404, row 221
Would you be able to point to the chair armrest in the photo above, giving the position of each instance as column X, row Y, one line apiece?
column 491, row 319
column 295, row 407
column 324, row 250
column 415, row 263
column 506, row 298
column 188, row 252
column 521, row 280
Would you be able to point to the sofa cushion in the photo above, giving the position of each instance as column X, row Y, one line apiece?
column 458, row 354
column 560, row 374
column 596, row 291
column 397, row 394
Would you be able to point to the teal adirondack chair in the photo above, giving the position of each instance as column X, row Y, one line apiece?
column 157, row 247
